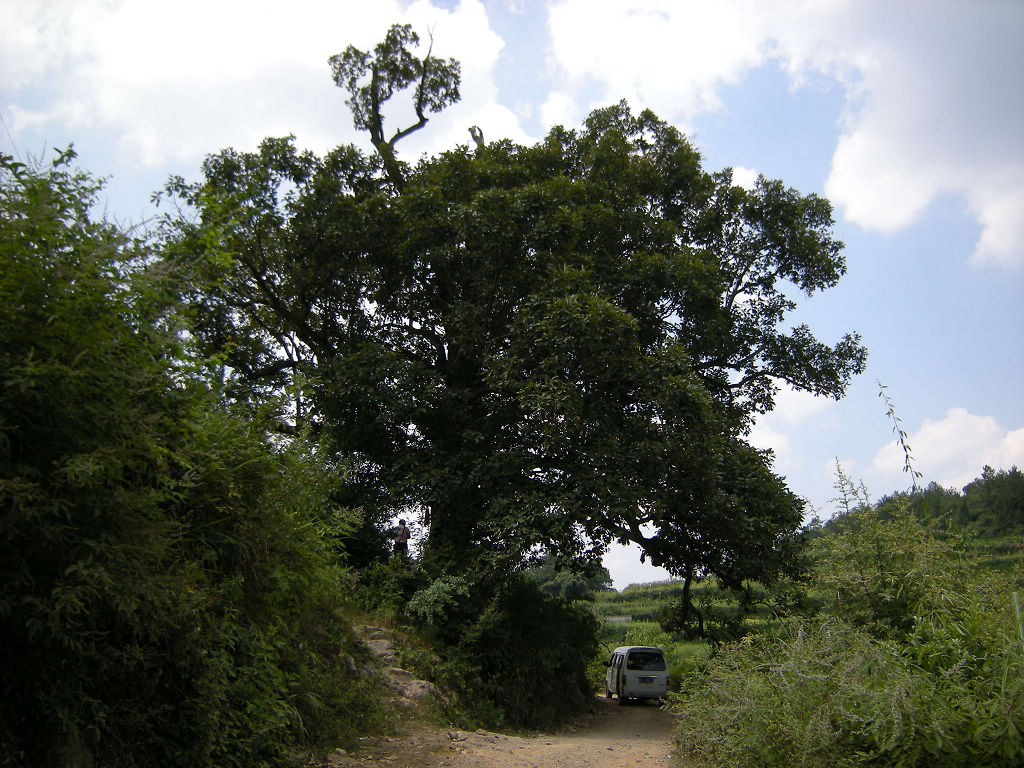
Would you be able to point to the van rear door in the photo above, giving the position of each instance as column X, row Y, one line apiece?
column 645, row 674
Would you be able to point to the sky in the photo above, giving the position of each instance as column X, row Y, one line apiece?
column 906, row 115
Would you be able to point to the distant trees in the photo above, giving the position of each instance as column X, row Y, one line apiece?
column 995, row 502
column 991, row 504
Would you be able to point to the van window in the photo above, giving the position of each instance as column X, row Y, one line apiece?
column 647, row 661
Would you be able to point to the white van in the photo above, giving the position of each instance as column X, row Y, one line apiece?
column 636, row 672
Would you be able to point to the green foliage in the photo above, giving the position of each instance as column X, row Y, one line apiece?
column 916, row 664
column 372, row 80
column 724, row 614
column 877, row 571
column 493, row 640
column 386, row 586
column 994, row 502
column 490, row 641
column 569, row 581
column 829, row 694
column 523, row 661
column 646, row 633
column 991, row 505
column 170, row 581
column 440, row 600
column 596, row 300
column 1003, row 553
column 800, row 700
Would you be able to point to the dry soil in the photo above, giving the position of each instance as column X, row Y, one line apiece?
column 613, row 736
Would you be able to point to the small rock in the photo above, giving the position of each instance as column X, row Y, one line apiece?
column 338, row 757
column 384, row 650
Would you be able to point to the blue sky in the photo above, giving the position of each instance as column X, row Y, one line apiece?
column 907, row 115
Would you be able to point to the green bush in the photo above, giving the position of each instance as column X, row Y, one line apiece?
column 169, row 581
column 531, row 650
column 877, row 570
column 799, row 700
column 918, row 665
column 440, row 601
column 386, row 586
column 646, row 633
column 513, row 654
column 829, row 694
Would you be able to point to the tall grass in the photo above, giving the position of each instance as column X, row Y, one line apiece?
column 913, row 662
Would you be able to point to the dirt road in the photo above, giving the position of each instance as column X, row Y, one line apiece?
column 638, row 734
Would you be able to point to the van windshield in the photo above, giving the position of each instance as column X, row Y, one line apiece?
column 647, row 661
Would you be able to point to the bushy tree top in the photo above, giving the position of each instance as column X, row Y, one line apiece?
column 547, row 347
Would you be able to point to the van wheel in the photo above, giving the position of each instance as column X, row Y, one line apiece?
column 623, row 699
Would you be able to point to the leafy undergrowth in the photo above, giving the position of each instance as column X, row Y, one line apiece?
column 916, row 661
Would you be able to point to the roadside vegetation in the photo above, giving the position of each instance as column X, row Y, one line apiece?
column 170, row 586
column 912, row 655
column 903, row 645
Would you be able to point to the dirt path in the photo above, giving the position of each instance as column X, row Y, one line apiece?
column 639, row 734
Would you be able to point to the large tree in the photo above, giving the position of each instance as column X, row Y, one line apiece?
column 549, row 346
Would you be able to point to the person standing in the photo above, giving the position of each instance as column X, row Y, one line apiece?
column 401, row 539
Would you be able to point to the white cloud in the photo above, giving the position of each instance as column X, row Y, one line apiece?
column 31, row 40
column 668, row 55
column 175, row 81
column 775, row 430
column 1001, row 214
column 795, row 407
column 933, row 103
column 933, row 108
column 950, row 451
column 560, row 109
column 623, row 563
column 744, row 177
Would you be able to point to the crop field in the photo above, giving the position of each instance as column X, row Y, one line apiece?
column 631, row 617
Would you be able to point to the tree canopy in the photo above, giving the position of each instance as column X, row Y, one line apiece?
column 540, row 348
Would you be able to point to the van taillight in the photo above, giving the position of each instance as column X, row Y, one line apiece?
column 668, row 680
